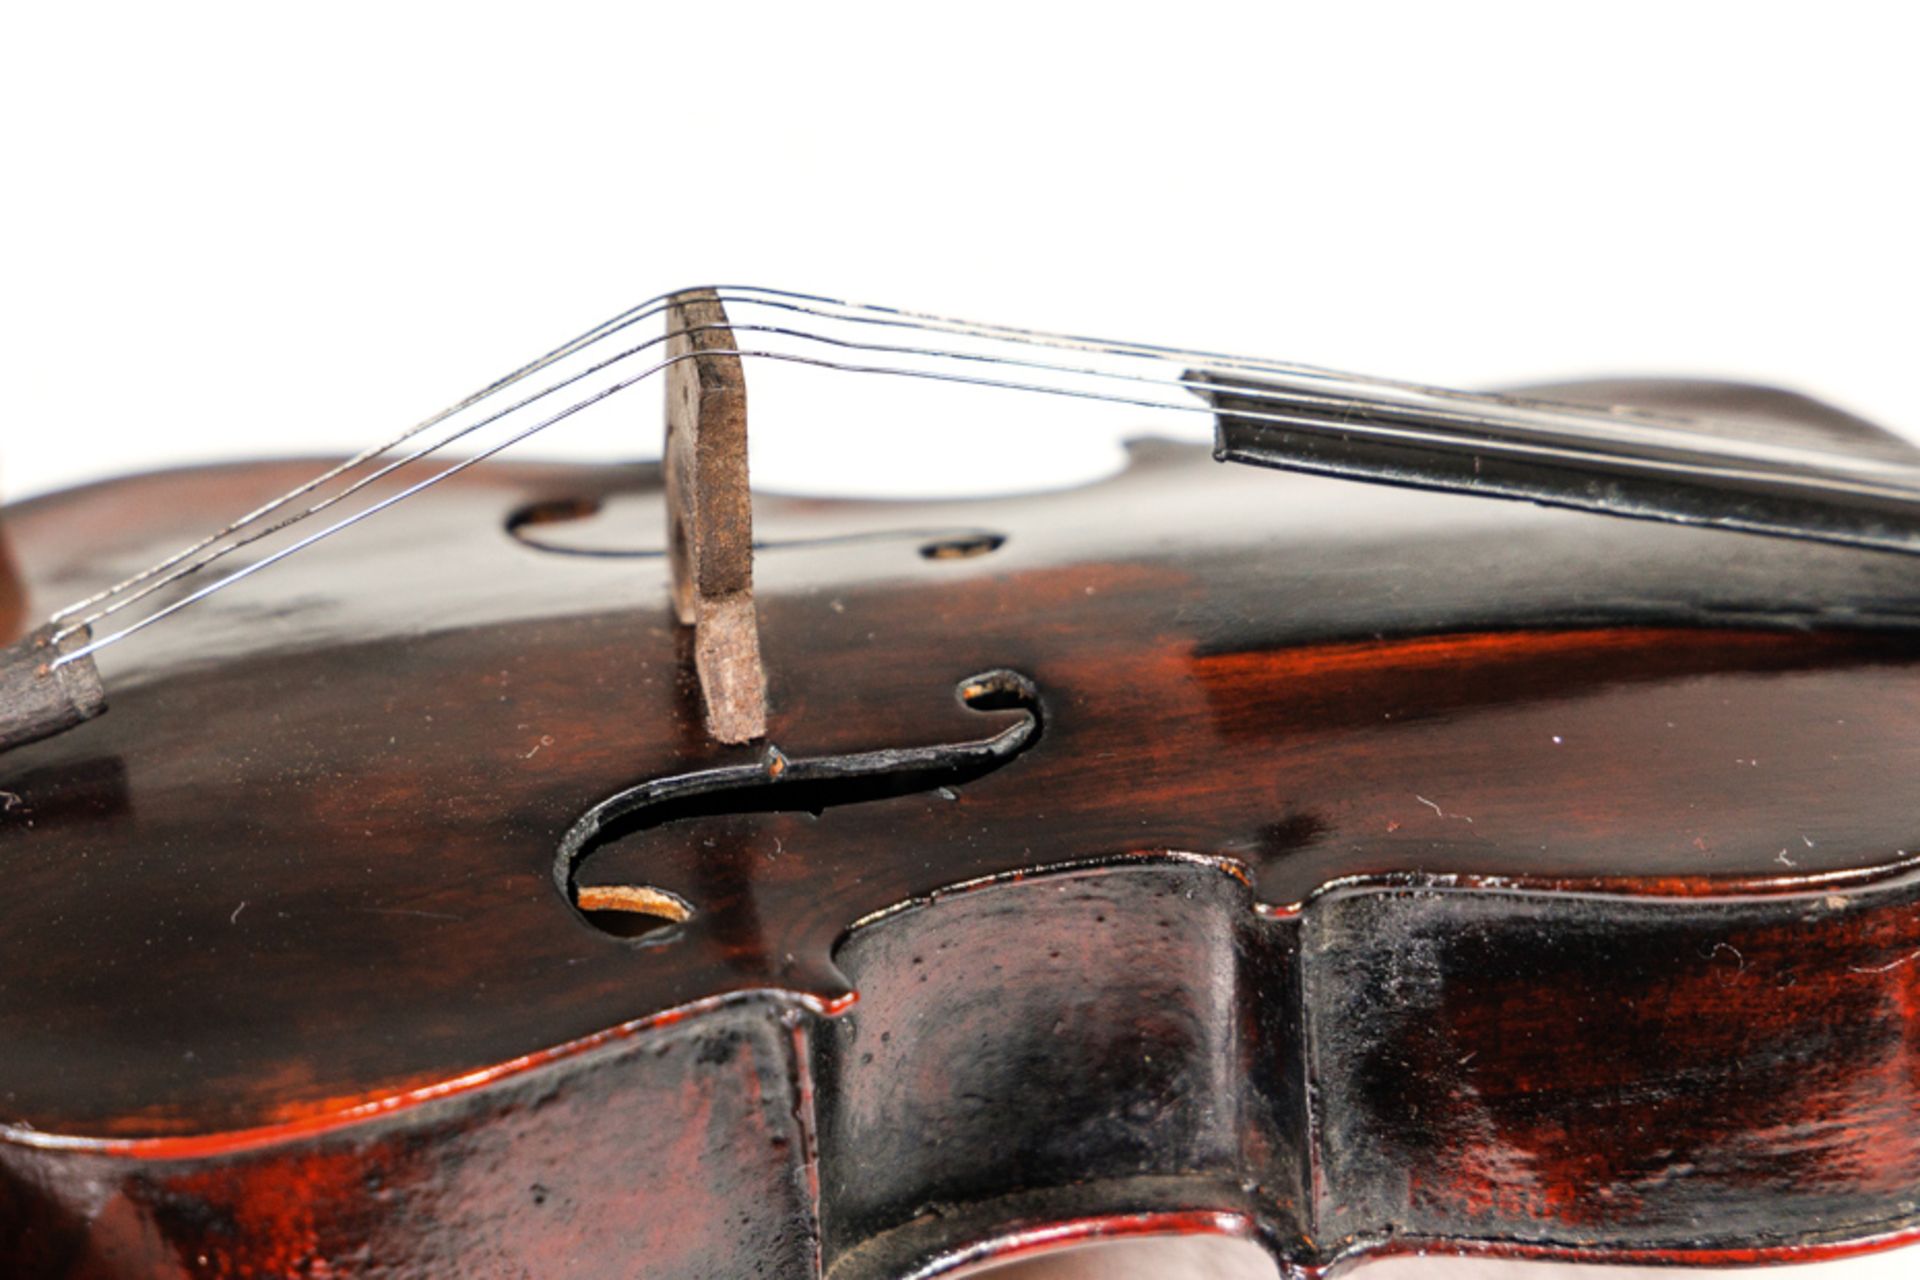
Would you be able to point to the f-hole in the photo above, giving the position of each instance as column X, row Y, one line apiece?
column 778, row 783
column 541, row 526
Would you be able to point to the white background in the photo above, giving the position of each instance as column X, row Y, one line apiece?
column 249, row 229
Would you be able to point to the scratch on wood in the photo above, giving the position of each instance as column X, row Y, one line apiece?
column 1888, row 967
column 1438, row 812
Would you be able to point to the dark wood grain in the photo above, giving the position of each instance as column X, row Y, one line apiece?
column 283, row 963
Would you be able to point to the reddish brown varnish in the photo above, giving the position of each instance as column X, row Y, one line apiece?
column 1392, row 871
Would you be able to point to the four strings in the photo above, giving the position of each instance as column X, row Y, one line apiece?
column 826, row 333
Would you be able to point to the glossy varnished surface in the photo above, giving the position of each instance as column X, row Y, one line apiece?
column 1389, row 870
column 375, row 784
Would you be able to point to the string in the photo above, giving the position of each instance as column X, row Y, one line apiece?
column 1484, row 410
column 1530, row 450
column 128, row 594
column 348, row 522
column 1398, row 434
column 869, row 313
column 633, row 315
column 1325, row 407
column 1304, row 396
column 805, row 303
